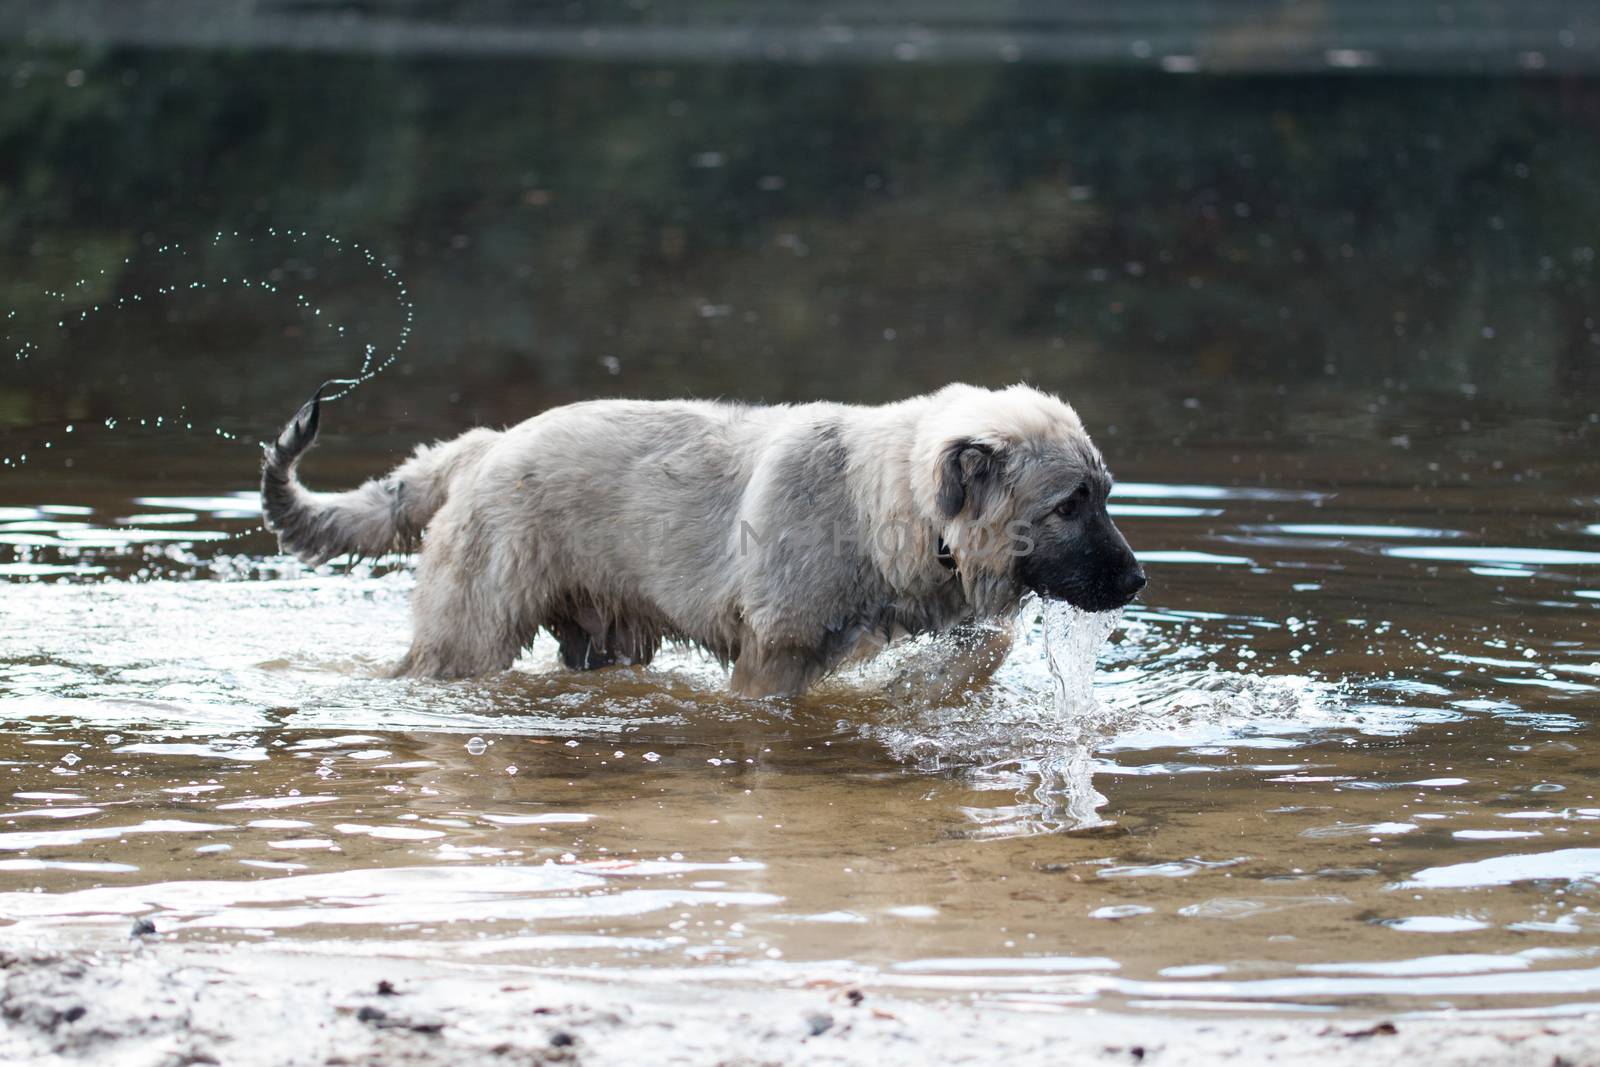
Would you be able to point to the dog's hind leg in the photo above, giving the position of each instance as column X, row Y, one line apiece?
column 589, row 641
column 578, row 650
column 469, row 611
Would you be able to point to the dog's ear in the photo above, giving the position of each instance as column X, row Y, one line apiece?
column 969, row 477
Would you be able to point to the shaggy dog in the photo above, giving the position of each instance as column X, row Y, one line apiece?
column 784, row 540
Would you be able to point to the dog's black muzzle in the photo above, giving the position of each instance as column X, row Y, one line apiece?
column 1098, row 572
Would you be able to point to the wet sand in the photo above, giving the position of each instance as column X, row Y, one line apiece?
column 167, row 1004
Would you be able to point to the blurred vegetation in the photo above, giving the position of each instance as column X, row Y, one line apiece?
column 572, row 228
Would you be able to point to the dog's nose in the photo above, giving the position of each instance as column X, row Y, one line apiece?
column 1134, row 581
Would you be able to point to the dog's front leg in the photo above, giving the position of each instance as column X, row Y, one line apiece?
column 775, row 671
column 955, row 662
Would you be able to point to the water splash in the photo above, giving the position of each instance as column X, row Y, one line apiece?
column 1070, row 700
column 373, row 360
column 1033, row 730
column 1072, row 640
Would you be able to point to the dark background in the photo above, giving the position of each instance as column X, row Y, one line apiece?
column 1248, row 228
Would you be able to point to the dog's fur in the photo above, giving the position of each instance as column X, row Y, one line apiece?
column 785, row 540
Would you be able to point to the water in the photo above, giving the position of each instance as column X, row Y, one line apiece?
column 1072, row 641
column 1249, row 806
column 1340, row 754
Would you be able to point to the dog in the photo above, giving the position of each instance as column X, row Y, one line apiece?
column 785, row 540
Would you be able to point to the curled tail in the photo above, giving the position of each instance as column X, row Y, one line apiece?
column 383, row 515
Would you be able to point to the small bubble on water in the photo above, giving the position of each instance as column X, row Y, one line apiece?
column 70, row 758
column 652, row 757
column 477, row 746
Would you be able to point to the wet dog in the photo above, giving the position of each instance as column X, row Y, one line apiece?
column 785, row 540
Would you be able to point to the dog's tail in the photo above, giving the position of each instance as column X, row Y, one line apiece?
column 384, row 515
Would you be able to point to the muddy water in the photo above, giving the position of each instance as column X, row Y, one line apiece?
column 1341, row 756
column 1334, row 335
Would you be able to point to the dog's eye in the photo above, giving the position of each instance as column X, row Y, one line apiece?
column 1074, row 501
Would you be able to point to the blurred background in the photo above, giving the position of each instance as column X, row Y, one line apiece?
column 1246, row 224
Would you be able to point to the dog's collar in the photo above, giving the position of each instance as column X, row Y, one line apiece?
column 946, row 558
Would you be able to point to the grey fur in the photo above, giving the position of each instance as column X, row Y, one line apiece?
column 784, row 540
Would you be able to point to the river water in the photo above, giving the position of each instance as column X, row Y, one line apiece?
column 1340, row 755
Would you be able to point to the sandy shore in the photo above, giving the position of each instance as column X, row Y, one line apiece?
column 169, row 1005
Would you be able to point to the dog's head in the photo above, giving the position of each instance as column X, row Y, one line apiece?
column 1020, row 493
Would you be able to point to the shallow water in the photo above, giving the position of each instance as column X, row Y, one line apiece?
column 1341, row 755
column 1275, row 800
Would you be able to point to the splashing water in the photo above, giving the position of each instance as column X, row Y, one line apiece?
column 373, row 361
column 1072, row 640
column 1036, row 732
